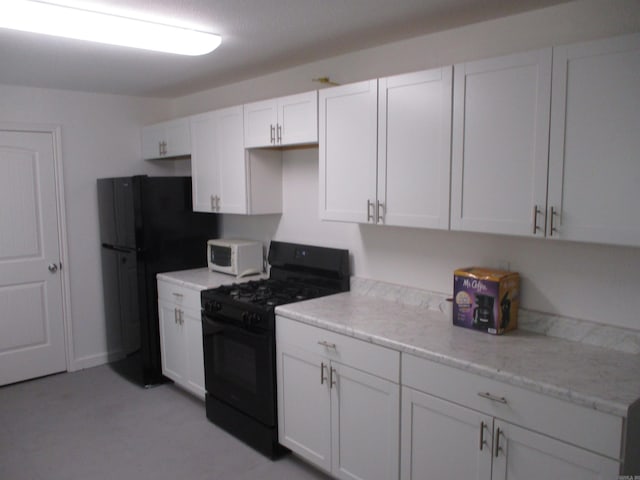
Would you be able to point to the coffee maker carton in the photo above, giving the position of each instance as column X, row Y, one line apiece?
column 486, row 299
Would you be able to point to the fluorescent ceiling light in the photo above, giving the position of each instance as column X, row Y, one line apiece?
column 63, row 21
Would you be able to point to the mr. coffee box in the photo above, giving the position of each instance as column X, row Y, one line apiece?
column 486, row 299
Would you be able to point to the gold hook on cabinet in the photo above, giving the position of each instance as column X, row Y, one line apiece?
column 325, row 80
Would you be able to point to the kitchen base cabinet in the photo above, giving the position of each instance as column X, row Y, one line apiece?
column 526, row 455
column 338, row 403
column 181, row 336
column 304, row 409
column 364, row 425
column 443, row 440
column 460, row 425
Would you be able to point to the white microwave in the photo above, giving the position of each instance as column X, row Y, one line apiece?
column 234, row 256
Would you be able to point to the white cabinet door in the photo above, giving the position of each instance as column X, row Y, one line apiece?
column 152, row 138
column 205, row 162
column 167, row 139
column 304, row 404
column 260, row 122
column 525, row 455
column 443, row 440
column 298, row 119
column 365, row 416
column 177, row 138
column 282, row 121
column 500, row 143
column 192, row 325
column 230, row 150
column 414, row 149
column 172, row 342
column 594, row 166
column 348, row 151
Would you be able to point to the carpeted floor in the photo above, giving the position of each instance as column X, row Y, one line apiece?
column 95, row 425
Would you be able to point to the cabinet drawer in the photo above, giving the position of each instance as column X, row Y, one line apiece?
column 585, row 427
column 373, row 359
column 179, row 296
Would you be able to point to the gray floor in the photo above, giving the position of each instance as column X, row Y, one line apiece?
column 94, row 424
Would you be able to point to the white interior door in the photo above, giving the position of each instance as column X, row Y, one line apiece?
column 31, row 301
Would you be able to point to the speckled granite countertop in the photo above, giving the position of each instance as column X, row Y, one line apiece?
column 203, row 278
column 595, row 377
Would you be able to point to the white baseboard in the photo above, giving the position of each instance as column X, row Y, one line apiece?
column 90, row 361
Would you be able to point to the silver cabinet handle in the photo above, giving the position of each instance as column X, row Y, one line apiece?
column 272, row 133
column 322, row 377
column 552, row 212
column 176, row 294
column 498, row 447
column 380, row 211
column 53, row 268
column 175, row 315
column 369, row 211
column 180, row 317
column 326, row 344
column 213, row 203
column 536, row 212
column 482, row 441
column 279, row 133
column 492, row 397
column 217, row 203
column 332, row 374
column 160, row 148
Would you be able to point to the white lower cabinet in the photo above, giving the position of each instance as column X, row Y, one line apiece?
column 181, row 336
column 338, row 402
column 443, row 438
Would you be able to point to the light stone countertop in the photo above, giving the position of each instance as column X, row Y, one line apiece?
column 591, row 376
column 203, row 278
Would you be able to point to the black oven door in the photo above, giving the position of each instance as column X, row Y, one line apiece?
column 239, row 367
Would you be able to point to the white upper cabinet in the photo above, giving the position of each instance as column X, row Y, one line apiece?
column 385, row 150
column 414, row 149
column 227, row 178
column 500, row 144
column 291, row 120
column 594, row 160
column 166, row 140
column 348, row 151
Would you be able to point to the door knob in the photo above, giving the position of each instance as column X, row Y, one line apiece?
column 53, row 268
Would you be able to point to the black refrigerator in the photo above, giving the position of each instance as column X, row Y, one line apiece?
column 147, row 226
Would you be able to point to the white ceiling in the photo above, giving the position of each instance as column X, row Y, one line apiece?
column 258, row 37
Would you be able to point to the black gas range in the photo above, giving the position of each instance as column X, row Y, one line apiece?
column 238, row 324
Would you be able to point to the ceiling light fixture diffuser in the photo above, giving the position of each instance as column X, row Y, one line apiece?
column 62, row 21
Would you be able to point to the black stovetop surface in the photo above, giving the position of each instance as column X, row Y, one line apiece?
column 267, row 293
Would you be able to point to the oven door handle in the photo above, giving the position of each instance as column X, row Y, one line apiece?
column 212, row 327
